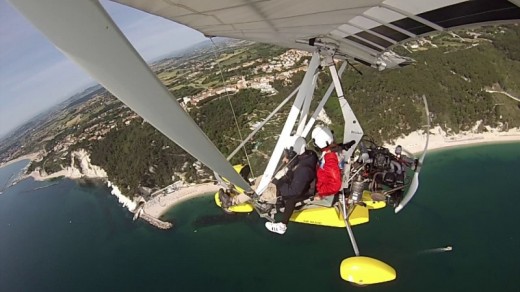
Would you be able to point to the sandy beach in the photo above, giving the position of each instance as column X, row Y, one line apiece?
column 439, row 139
column 30, row 156
column 160, row 204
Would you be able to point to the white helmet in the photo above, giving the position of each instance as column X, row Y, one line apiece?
column 322, row 136
column 298, row 144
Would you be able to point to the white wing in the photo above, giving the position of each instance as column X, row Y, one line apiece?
column 362, row 29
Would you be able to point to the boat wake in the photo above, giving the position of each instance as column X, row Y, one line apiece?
column 437, row 250
column 43, row 187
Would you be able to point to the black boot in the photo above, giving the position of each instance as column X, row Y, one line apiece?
column 263, row 207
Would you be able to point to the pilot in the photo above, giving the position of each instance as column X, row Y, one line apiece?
column 296, row 184
column 328, row 175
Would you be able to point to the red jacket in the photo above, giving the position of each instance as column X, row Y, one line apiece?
column 328, row 174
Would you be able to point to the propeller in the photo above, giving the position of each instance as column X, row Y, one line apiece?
column 415, row 180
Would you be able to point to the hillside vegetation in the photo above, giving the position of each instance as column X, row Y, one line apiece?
column 454, row 78
column 452, row 71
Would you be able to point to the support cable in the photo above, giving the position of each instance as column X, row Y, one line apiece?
column 230, row 103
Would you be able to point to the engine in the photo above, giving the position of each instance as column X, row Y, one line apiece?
column 379, row 170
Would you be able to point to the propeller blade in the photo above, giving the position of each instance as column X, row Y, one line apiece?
column 415, row 181
column 410, row 193
column 428, row 125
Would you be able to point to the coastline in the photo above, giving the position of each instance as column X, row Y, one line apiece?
column 153, row 208
column 30, row 156
column 158, row 206
column 125, row 201
column 68, row 173
column 440, row 140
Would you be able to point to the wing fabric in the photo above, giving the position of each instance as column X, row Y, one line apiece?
column 85, row 33
column 363, row 30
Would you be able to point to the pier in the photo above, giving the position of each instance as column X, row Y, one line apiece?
column 156, row 222
column 139, row 213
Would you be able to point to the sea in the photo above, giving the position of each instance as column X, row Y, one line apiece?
column 66, row 235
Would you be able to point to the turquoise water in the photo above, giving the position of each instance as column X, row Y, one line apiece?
column 75, row 237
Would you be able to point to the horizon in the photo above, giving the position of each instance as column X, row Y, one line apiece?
column 83, row 88
column 35, row 76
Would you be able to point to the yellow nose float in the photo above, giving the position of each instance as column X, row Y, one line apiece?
column 362, row 270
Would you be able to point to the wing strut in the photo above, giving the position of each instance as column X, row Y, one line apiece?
column 322, row 103
column 86, row 34
column 346, row 212
column 267, row 119
column 352, row 129
column 305, row 88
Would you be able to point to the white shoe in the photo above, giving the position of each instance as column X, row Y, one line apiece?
column 279, row 228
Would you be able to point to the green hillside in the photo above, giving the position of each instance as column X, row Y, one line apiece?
column 453, row 77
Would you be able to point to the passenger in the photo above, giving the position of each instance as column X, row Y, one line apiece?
column 269, row 195
column 328, row 176
column 294, row 186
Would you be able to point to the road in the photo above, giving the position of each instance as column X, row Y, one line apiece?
column 505, row 93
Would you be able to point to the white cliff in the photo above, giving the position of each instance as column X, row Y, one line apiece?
column 127, row 202
column 85, row 167
column 80, row 167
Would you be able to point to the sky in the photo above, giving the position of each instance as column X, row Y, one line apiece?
column 35, row 76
